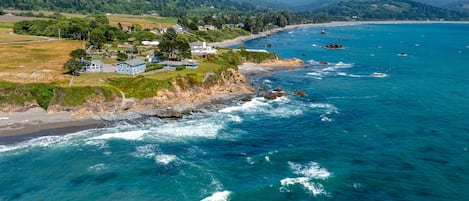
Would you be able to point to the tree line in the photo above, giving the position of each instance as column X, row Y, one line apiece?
column 167, row 8
column 390, row 10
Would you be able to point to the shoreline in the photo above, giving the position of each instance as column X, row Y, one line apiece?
column 243, row 39
column 35, row 122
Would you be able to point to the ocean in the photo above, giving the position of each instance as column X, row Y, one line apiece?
column 387, row 118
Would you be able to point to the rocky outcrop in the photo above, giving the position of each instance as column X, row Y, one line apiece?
column 334, row 46
column 293, row 62
column 167, row 103
column 274, row 94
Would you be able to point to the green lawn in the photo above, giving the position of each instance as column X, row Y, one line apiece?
column 95, row 79
column 162, row 20
column 202, row 69
column 6, row 24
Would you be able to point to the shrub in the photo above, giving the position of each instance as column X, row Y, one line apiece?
column 153, row 67
column 180, row 68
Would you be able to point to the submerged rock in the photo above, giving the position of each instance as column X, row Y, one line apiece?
column 300, row 93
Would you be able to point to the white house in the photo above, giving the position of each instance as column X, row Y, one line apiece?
column 132, row 67
column 172, row 65
column 206, row 27
column 201, row 48
column 150, row 43
column 178, row 28
column 92, row 66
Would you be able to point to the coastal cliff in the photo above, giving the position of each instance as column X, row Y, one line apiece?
column 167, row 103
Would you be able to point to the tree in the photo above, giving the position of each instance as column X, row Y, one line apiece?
column 2, row 12
column 78, row 54
column 122, row 56
column 73, row 66
column 174, row 47
column 193, row 26
column 97, row 38
column 170, row 34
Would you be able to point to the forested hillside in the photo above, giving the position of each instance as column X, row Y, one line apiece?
column 172, row 8
column 390, row 10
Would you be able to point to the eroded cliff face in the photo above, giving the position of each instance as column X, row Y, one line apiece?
column 167, row 102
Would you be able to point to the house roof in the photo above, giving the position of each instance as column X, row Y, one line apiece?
column 134, row 62
column 196, row 43
column 97, row 62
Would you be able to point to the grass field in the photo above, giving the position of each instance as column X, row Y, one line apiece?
column 125, row 19
column 149, row 22
column 6, row 24
column 95, row 79
column 35, row 62
column 203, row 68
column 7, row 36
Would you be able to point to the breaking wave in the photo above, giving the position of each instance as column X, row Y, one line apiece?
column 309, row 176
column 218, row 196
column 279, row 107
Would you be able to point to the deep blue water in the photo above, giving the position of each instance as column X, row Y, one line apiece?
column 378, row 127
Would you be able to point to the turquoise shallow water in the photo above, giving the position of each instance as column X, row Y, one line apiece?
column 376, row 127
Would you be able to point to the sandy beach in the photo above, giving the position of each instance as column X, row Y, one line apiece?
column 36, row 119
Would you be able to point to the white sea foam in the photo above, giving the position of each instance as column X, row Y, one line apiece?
column 379, row 75
column 343, row 65
column 235, row 118
column 165, row 159
column 200, row 128
column 313, row 188
column 308, row 173
column 312, row 170
column 315, row 74
column 101, row 144
column 279, row 107
column 98, row 167
column 329, row 69
column 350, row 75
column 250, row 160
column 218, row 196
column 128, row 135
column 328, row 107
column 145, row 151
column 4, row 118
column 48, row 141
column 327, row 119
column 252, row 105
